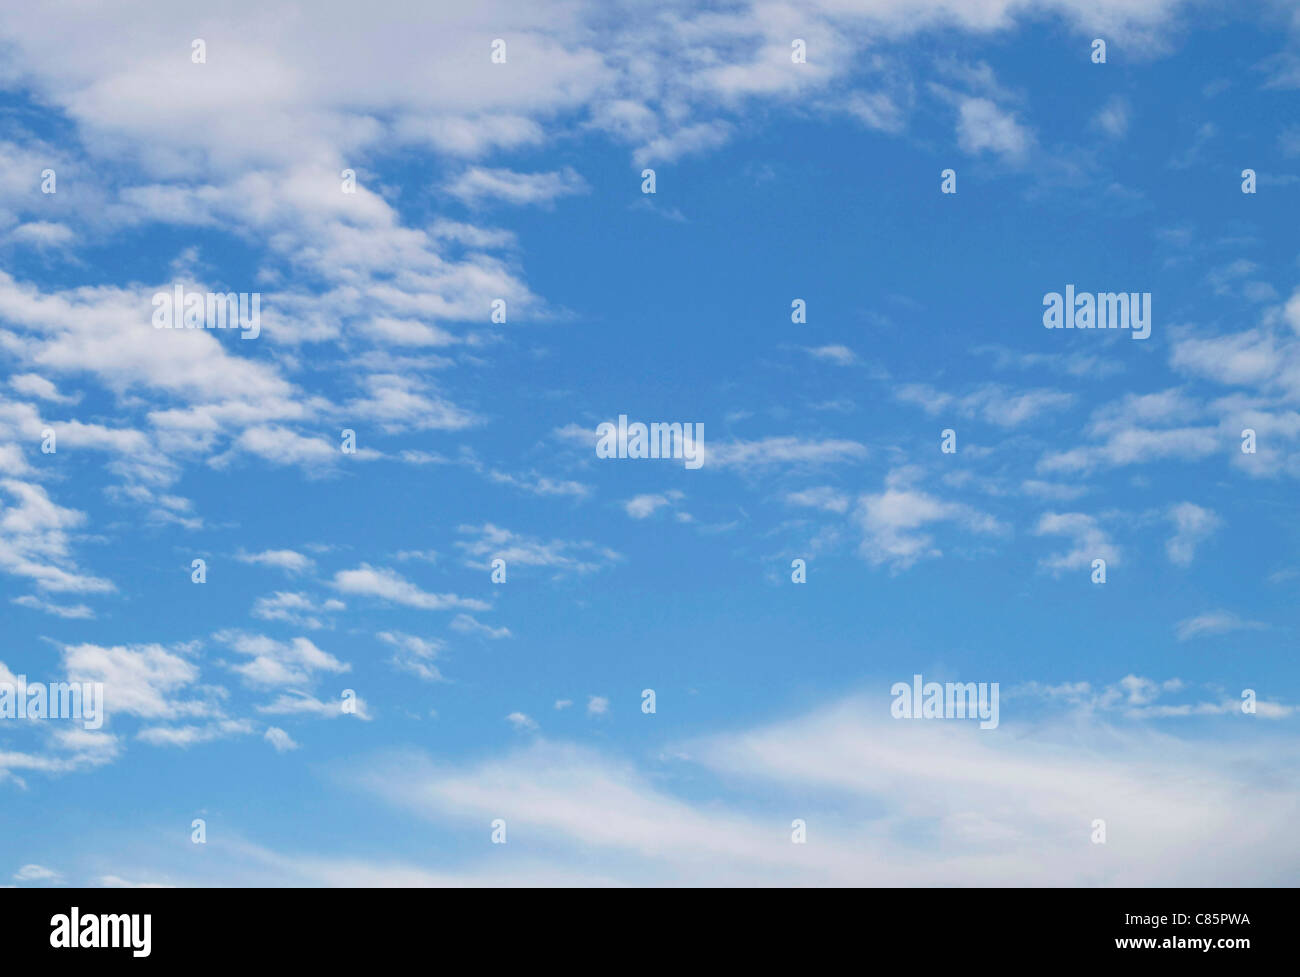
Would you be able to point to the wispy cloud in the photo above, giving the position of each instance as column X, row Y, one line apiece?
column 1214, row 623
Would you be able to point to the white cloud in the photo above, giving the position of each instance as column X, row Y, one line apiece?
column 279, row 663
column 390, row 585
column 1244, row 358
column 34, row 385
column 1192, row 525
column 541, row 485
column 840, row 355
column 984, row 126
column 282, row 446
column 757, row 455
column 1134, row 446
column 473, row 236
column 746, row 456
column 822, row 497
column 279, row 739
column 37, row 873
column 288, row 560
column 493, row 542
column 1113, row 117
column 187, row 736
column 991, row 402
column 44, row 234
column 891, row 521
column 478, row 184
column 34, row 541
column 71, row 612
column 1212, row 623
column 414, row 654
column 875, row 791
column 1088, row 541
column 105, row 333
column 466, row 624
column 644, row 506
column 295, row 703
column 399, row 403
column 875, row 110
column 685, row 141
column 141, row 680
column 297, row 609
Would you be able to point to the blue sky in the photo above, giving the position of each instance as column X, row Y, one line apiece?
column 521, row 700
